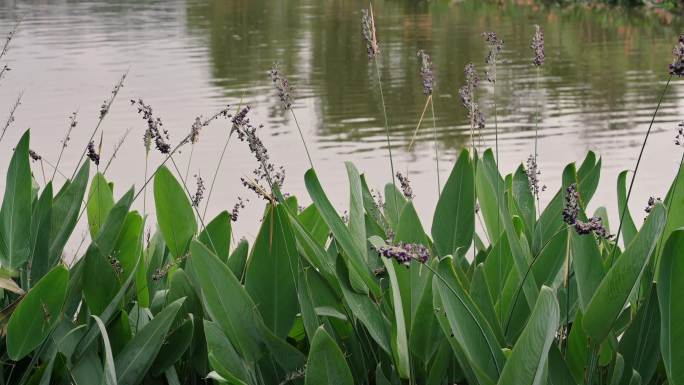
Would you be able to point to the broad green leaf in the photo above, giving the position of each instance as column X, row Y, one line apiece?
column 128, row 246
column 399, row 335
column 174, row 212
column 670, row 287
column 177, row 343
column 520, row 189
column 354, row 256
column 394, row 204
column 41, row 225
column 528, row 359
column 216, row 236
column 587, row 263
column 100, row 280
column 313, row 222
column 100, row 201
column 65, row 209
column 238, row 258
column 270, row 278
column 223, row 357
column 136, row 358
column 613, row 292
column 490, row 195
column 453, row 222
column 15, row 213
column 468, row 326
column 109, row 369
column 227, row 302
column 639, row 343
column 327, row 364
column 363, row 308
column 551, row 219
column 629, row 230
column 37, row 313
column 306, row 304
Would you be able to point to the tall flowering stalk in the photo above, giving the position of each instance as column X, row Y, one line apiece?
column 676, row 68
column 537, row 46
column 373, row 51
column 285, row 93
column 428, row 78
column 468, row 99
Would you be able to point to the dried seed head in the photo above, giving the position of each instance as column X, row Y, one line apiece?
column 404, row 253
column 92, row 154
column 369, row 35
column 282, row 86
column 467, row 94
column 676, row 68
column 199, row 192
column 571, row 214
column 495, row 46
column 652, row 201
column 240, row 204
column 538, row 46
column 107, row 104
column 532, row 172
column 34, row 156
column 154, row 130
column 426, row 72
column 405, row 186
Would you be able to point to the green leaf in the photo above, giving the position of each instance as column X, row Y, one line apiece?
column 363, row 308
column 40, row 235
column 177, row 343
column 527, row 362
column 174, row 212
column 639, row 343
column 223, row 357
column 136, row 358
column 238, row 258
column 100, row 281
column 354, row 256
column 270, row 276
column 100, row 201
column 520, row 189
column 453, row 222
column 490, row 195
column 468, row 326
column 227, row 302
column 109, row 369
column 216, row 236
column 313, row 222
column 15, row 213
column 613, row 292
column 326, row 364
column 394, row 204
column 306, row 303
column 66, row 207
column 670, row 287
column 588, row 265
column 399, row 338
column 629, row 230
column 37, row 313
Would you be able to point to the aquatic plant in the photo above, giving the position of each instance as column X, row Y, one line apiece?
column 374, row 298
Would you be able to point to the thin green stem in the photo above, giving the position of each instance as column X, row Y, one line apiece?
column 434, row 139
column 636, row 168
column 387, row 133
column 301, row 136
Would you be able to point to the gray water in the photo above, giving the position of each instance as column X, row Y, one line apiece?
column 597, row 90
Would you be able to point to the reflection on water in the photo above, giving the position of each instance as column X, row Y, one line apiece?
column 597, row 90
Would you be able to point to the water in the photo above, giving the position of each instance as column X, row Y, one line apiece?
column 597, row 91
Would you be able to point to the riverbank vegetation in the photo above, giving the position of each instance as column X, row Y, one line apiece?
column 496, row 290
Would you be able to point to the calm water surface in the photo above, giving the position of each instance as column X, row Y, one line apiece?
column 597, row 90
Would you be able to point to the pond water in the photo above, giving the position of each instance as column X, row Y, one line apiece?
column 597, row 91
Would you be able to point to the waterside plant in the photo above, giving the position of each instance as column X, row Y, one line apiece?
column 537, row 295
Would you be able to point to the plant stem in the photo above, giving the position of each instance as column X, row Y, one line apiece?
column 434, row 139
column 387, row 134
column 301, row 136
column 636, row 168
